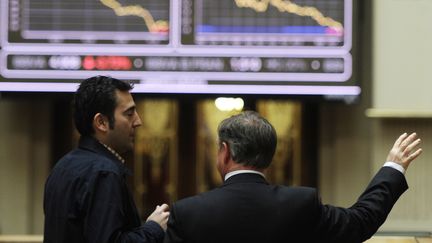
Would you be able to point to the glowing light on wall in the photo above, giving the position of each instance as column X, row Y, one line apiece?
column 229, row 104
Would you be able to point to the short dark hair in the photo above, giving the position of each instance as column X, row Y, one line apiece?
column 251, row 139
column 96, row 95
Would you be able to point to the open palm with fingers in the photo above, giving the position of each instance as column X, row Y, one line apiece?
column 405, row 150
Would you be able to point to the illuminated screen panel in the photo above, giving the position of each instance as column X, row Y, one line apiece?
column 300, row 47
column 84, row 21
column 225, row 68
column 298, row 23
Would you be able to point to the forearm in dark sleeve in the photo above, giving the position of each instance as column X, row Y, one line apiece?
column 363, row 219
column 106, row 220
column 150, row 232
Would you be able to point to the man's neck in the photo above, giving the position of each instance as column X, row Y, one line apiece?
column 118, row 156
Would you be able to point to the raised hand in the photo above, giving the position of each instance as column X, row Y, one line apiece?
column 404, row 150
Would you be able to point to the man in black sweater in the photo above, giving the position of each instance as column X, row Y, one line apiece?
column 86, row 196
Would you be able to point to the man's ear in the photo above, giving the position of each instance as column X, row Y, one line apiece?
column 100, row 122
column 226, row 152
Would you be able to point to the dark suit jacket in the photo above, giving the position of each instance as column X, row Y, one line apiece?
column 247, row 209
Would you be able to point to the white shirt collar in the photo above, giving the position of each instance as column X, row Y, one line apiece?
column 236, row 172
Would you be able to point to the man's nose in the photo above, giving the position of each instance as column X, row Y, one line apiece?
column 138, row 121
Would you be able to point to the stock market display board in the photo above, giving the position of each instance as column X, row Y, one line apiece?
column 299, row 47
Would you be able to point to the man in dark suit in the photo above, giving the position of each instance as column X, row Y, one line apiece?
column 247, row 209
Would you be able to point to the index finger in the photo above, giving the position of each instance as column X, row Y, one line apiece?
column 164, row 207
column 400, row 139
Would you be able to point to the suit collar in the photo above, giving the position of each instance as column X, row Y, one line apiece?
column 245, row 178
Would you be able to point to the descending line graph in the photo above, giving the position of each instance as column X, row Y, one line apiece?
column 94, row 21
column 290, row 7
column 139, row 11
column 267, row 22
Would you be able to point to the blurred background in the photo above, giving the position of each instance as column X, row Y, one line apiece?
column 339, row 79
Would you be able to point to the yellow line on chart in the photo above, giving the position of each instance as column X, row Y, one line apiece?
column 139, row 11
column 290, row 7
